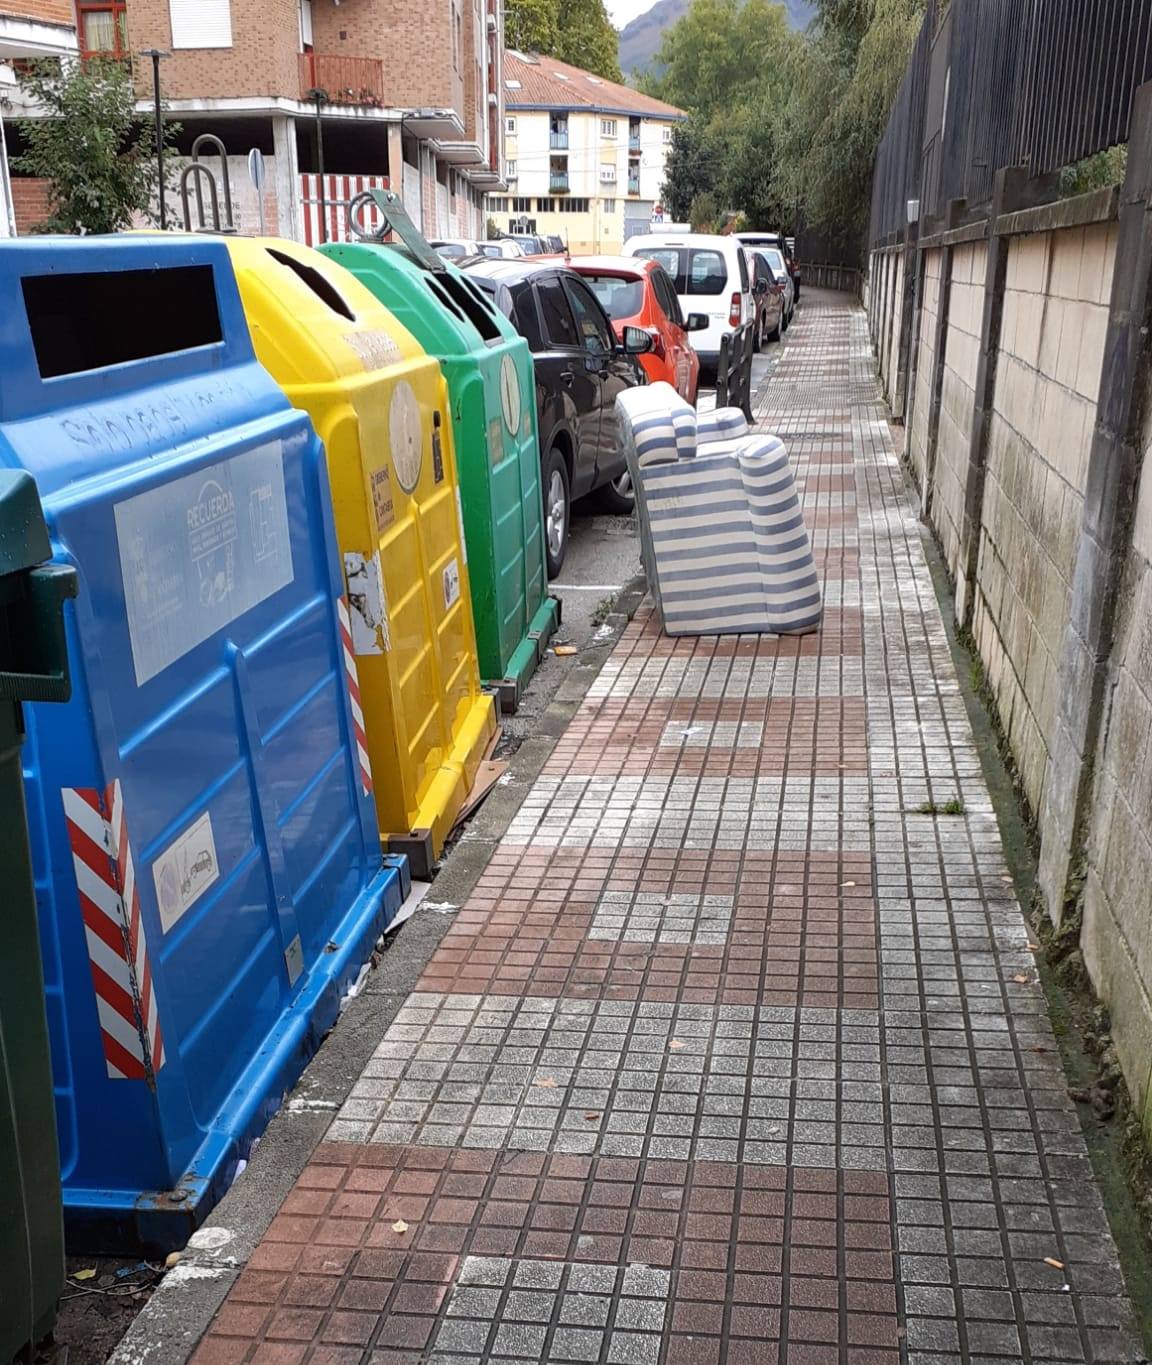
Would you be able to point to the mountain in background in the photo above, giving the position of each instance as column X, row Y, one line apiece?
column 640, row 40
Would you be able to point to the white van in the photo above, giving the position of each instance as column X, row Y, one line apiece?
column 712, row 276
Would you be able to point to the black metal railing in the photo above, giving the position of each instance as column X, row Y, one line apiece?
column 996, row 83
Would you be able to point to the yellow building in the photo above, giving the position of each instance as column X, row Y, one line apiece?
column 585, row 156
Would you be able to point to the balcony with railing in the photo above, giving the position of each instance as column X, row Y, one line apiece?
column 344, row 80
column 633, row 137
column 558, row 139
column 557, row 182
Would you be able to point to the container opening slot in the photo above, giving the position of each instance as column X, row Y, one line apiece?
column 316, row 282
column 466, row 302
column 89, row 321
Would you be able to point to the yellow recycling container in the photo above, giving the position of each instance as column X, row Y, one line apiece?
column 380, row 405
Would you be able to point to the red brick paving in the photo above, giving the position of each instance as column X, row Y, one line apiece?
column 758, row 1254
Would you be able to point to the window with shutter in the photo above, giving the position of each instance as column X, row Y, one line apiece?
column 201, row 23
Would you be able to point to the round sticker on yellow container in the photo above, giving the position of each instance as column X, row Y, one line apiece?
column 406, row 436
column 510, row 394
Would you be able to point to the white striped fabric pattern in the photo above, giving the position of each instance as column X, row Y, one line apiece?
column 723, row 540
column 721, row 424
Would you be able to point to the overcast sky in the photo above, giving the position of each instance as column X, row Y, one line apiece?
column 622, row 11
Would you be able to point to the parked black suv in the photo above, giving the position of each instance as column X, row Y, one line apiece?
column 580, row 368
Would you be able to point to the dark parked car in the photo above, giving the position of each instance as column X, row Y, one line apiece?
column 780, row 242
column 767, row 300
column 580, row 368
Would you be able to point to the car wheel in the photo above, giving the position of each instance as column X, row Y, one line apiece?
column 557, row 510
column 617, row 496
column 774, row 335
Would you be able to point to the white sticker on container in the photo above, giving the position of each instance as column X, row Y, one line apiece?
column 368, row 614
column 451, row 583
column 406, row 436
column 510, row 394
column 376, row 350
column 185, row 870
column 198, row 552
column 460, row 519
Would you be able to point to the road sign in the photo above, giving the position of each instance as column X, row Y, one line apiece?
column 258, row 175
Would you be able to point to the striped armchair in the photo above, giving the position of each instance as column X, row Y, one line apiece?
column 723, row 540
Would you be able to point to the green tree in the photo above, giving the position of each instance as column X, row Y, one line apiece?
column 784, row 126
column 585, row 37
column 530, row 25
column 95, row 151
column 691, row 168
column 721, row 55
column 575, row 31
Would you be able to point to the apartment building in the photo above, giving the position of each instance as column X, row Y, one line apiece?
column 28, row 28
column 585, row 156
column 369, row 92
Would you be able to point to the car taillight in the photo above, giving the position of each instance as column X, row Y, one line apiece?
column 657, row 343
column 735, row 313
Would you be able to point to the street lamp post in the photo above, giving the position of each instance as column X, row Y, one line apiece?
column 156, row 55
column 320, row 98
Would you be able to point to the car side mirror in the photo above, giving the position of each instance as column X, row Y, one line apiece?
column 697, row 322
column 636, row 341
column 760, row 287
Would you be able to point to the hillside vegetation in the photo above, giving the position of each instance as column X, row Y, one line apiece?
column 783, row 125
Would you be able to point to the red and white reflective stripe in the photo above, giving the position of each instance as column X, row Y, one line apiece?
column 339, row 191
column 353, row 680
column 117, row 947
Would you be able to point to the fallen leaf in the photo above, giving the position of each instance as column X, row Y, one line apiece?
column 1006, row 880
column 1033, row 947
column 1038, row 1048
column 173, row 1258
column 546, row 1083
column 1020, row 979
column 592, row 1115
column 1053, row 1262
column 399, row 1225
column 847, row 883
column 564, row 650
column 84, row 1275
column 676, row 1043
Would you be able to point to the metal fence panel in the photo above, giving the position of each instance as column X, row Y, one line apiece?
column 995, row 83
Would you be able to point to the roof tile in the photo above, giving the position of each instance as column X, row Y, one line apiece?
column 549, row 83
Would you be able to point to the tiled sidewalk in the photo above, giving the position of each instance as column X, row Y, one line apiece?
column 733, row 1055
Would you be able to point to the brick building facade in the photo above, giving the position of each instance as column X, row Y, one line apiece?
column 28, row 28
column 367, row 88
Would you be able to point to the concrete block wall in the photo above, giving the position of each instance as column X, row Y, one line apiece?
column 1047, row 382
column 925, row 364
column 961, row 355
column 891, row 367
column 1116, row 934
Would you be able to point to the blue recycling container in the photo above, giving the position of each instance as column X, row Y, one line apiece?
column 208, row 867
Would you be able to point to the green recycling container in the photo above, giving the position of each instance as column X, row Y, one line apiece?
column 491, row 389
column 33, row 667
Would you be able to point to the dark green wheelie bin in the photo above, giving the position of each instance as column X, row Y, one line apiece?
column 33, row 667
column 491, row 387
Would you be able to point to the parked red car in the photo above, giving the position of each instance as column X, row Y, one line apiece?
column 636, row 292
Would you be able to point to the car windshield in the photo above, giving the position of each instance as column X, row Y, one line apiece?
column 776, row 261
column 453, row 250
column 489, row 249
column 620, row 298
